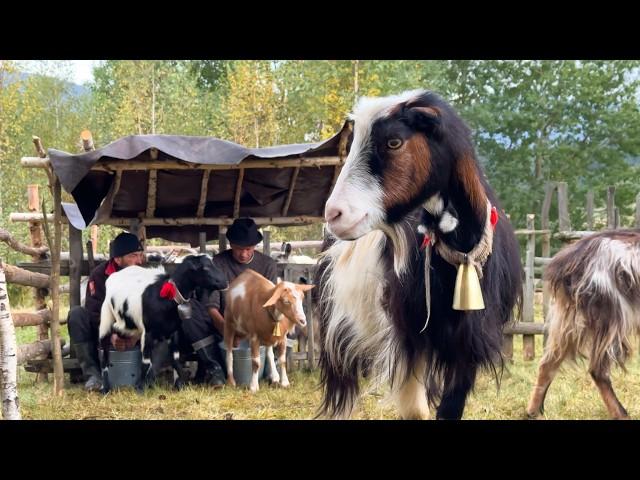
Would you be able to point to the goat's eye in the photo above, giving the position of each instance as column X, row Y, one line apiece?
column 394, row 143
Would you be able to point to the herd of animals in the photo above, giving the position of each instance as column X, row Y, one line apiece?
column 410, row 210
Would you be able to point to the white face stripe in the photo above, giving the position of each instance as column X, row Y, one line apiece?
column 357, row 195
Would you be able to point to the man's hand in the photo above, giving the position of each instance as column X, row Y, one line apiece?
column 123, row 343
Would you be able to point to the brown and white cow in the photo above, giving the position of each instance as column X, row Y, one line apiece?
column 254, row 307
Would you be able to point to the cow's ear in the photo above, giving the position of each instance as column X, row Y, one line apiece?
column 274, row 298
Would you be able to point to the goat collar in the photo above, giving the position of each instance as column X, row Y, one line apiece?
column 170, row 291
column 275, row 314
column 477, row 257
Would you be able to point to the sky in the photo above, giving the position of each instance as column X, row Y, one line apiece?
column 80, row 71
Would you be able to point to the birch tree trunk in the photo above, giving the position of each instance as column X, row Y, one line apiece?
column 8, row 358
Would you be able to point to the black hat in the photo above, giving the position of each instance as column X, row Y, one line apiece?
column 244, row 233
column 124, row 244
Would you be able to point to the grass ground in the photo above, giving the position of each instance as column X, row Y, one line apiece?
column 571, row 396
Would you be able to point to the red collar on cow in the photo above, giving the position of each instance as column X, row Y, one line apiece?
column 170, row 291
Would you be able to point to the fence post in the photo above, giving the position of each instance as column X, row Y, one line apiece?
column 589, row 211
column 528, row 341
column 638, row 211
column 564, row 221
column 611, row 205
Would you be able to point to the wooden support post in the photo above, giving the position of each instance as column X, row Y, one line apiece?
column 563, row 207
column 90, row 253
column 202, row 236
column 549, row 188
column 616, row 217
column 204, row 185
column 589, row 211
column 507, row 347
column 266, row 243
column 75, row 265
column 222, row 239
column 58, row 372
column 611, row 205
column 311, row 352
column 638, row 211
column 528, row 343
column 238, row 194
column 151, row 193
column 94, row 239
column 39, row 294
column 134, row 226
column 87, row 140
column 292, row 186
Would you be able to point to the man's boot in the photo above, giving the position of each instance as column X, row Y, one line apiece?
column 214, row 375
column 87, row 354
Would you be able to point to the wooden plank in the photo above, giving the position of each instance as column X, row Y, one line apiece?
column 525, row 328
column 112, row 166
column 152, row 187
column 20, row 276
column 292, row 184
column 238, row 194
column 528, row 343
column 204, row 186
column 75, row 265
column 564, row 220
column 529, row 231
column 125, row 222
column 571, row 236
column 590, row 210
column 28, row 319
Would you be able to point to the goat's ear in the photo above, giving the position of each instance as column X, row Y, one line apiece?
column 304, row 288
column 273, row 299
column 424, row 119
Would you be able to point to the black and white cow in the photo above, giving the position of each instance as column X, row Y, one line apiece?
column 145, row 302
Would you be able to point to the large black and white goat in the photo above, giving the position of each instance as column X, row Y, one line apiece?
column 595, row 311
column 411, row 198
column 144, row 302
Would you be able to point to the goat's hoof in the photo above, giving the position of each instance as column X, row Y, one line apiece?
column 285, row 384
column 178, row 384
column 534, row 415
column 231, row 383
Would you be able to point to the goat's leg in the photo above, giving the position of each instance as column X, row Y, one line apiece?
column 178, row 373
column 255, row 363
column 274, row 376
column 601, row 376
column 148, row 377
column 105, row 344
column 411, row 397
column 282, row 361
column 455, row 394
column 547, row 370
column 229, row 336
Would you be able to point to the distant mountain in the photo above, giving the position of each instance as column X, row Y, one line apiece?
column 75, row 90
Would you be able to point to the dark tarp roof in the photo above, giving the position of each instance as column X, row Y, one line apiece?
column 263, row 194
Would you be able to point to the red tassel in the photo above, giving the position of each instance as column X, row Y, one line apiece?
column 425, row 241
column 494, row 217
column 168, row 291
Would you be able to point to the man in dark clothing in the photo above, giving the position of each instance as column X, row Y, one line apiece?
column 206, row 332
column 84, row 322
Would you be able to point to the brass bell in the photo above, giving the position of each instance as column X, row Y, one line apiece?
column 276, row 330
column 467, row 294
